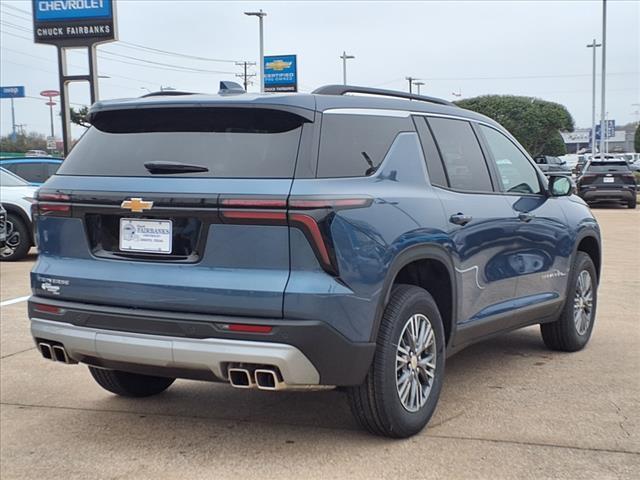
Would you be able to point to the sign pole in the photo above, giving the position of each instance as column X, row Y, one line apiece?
column 51, row 116
column 93, row 74
column 13, row 119
column 65, row 114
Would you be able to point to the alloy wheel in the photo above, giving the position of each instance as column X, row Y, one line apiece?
column 583, row 302
column 415, row 362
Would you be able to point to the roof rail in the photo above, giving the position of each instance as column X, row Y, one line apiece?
column 167, row 93
column 342, row 89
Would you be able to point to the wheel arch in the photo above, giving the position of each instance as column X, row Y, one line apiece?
column 589, row 243
column 445, row 293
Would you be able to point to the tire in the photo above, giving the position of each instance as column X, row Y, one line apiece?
column 18, row 240
column 376, row 404
column 632, row 203
column 568, row 333
column 128, row 384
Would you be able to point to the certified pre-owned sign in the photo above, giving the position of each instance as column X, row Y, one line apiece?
column 73, row 22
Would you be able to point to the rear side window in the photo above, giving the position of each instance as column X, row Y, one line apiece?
column 355, row 145
column 229, row 142
column 460, row 151
column 434, row 164
column 31, row 172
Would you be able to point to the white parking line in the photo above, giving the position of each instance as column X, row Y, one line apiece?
column 14, row 300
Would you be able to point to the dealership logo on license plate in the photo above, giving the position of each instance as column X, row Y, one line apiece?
column 150, row 236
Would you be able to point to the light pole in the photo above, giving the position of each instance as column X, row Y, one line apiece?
column 260, row 16
column 593, row 45
column 344, row 58
column 604, row 75
column 418, row 84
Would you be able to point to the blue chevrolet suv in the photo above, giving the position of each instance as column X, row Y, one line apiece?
column 350, row 238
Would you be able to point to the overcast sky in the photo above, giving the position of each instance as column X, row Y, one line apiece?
column 535, row 48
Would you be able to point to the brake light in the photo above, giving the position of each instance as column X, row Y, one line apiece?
column 52, row 204
column 318, row 212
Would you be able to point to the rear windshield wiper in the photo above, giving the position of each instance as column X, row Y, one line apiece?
column 173, row 167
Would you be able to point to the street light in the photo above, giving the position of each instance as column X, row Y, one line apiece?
column 593, row 45
column 418, row 84
column 344, row 58
column 604, row 76
column 260, row 16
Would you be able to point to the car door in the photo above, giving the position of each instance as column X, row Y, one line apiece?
column 477, row 229
column 539, row 257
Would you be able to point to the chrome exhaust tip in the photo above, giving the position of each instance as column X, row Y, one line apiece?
column 240, row 378
column 60, row 354
column 267, row 379
column 45, row 350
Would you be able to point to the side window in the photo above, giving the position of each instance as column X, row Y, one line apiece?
column 355, row 145
column 10, row 166
column 52, row 168
column 434, row 164
column 463, row 160
column 516, row 172
column 31, row 172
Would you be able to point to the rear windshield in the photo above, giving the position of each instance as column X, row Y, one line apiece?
column 603, row 167
column 229, row 142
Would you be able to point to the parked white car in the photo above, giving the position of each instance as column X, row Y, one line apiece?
column 16, row 196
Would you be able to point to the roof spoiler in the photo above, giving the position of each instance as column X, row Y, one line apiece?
column 344, row 89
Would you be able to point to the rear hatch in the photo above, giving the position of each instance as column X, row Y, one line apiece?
column 150, row 210
column 607, row 175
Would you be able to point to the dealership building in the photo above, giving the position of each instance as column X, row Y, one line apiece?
column 579, row 140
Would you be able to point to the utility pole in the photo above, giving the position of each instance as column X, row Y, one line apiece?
column 418, row 84
column 245, row 75
column 411, row 81
column 260, row 16
column 344, row 58
column 593, row 45
column 603, row 111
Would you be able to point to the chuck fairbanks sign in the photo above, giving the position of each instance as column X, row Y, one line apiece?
column 73, row 22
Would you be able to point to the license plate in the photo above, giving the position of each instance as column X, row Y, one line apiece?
column 608, row 179
column 149, row 236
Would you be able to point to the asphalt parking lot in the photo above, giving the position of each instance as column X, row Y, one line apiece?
column 509, row 408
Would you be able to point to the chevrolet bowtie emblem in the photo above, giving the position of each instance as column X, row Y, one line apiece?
column 136, row 205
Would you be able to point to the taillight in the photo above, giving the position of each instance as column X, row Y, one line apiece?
column 52, row 204
column 311, row 214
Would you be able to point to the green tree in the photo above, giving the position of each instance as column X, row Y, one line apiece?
column 555, row 146
column 79, row 116
column 636, row 139
column 23, row 142
column 535, row 123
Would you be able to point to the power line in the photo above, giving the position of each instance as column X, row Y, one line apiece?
column 16, row 9
column 167, row 52
column 180, row 67
column 24, row 54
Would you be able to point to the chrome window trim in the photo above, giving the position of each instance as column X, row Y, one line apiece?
column 381, row 112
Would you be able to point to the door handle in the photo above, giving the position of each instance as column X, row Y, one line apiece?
column 526, row 217
column 460, row 219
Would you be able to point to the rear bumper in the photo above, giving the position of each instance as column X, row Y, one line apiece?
column 603, row 195
column 194, row 345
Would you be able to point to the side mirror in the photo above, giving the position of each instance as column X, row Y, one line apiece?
column 560, row 185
